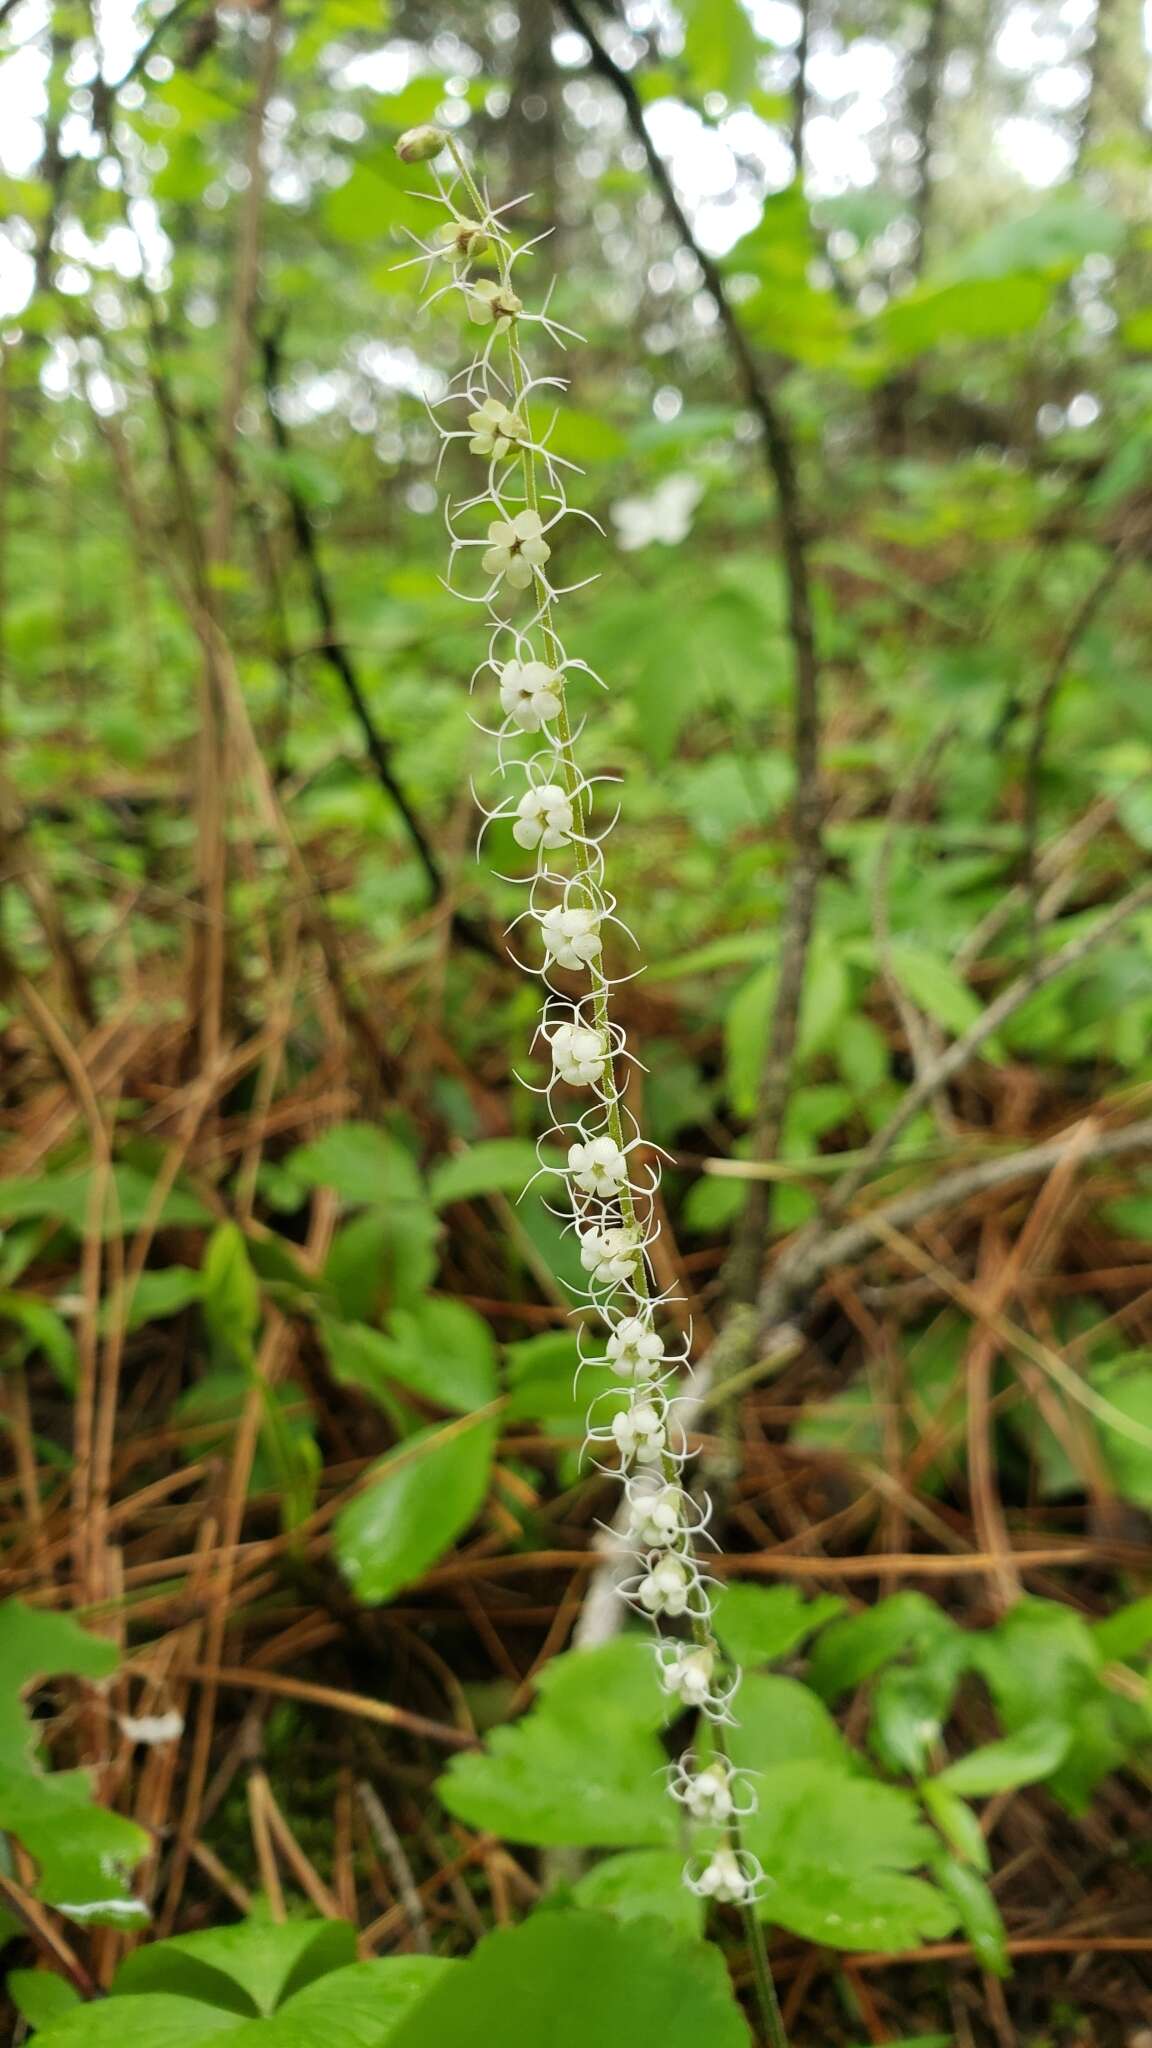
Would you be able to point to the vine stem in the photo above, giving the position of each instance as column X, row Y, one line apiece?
column 772, row 2022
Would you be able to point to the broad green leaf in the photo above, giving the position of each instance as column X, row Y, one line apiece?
column 440, row 1349
column 365, row 1165
column 839, row 1850
column 1127, row 1383
column 764, row 1624
column 1127, row 1634
column 583, row 1766
column 574, row 1979
column 910, row 1704
column 639, row 1883
column 498, row 1166
column 851, row 1650
column 964, row 311
column 548, row 1385
column 36, row 1643
column 416, row 1501
column 250, row 1968
column 157, row 2020
column 161, row 1293
column 782, row 1722
column 1054, row 240
column 360, row 2006
column 1032, row 1752
column 957, row 1822
column 1042, row 1662
column 83, row 1853
column 40, row 1996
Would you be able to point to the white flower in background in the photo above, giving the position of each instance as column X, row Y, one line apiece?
column 634, row 1348
column 529, row 692
column 654, row 1513
column 598, row 1167
column 611, row 1256
column 495, row 429
column 543, row 817
column 665, row 515
column 152, row 1730
column 516, row 548
column 579, row 1053
column 728, row 1877
column 495, row 302
column 667, row 1588
column 571, row 937
column 640, row 1434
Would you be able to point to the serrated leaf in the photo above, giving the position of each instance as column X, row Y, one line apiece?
column 366, row 1166
column 572, row 1979
column 763, row 1624
column 840, row 1850
column 851, row 1650
column 582, row 1767
column 415, row 1503
column 640, row 1883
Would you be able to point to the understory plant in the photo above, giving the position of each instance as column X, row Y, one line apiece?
column 506, row 540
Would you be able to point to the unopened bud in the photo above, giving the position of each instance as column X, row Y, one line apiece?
column 420, row 145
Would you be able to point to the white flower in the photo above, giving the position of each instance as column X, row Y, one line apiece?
column 465, row 239
column 654, row 1521
column 152, row 1729
column 610, row 1255
column 634, row 1347
column 530, row 693
column 598, row 1167
column 579, row 1053
column 688, row 1673
column 667, row 1588
column 665, row 515
column 639, row 1433
column 543, row 816
column 727, row 1878
column 571, row 937
column 494, row 428
column 495, row 302
column 516, row 548
column 708, row 1795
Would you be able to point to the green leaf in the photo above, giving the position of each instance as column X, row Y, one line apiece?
column 68, row 1199
column 964, row 311
column 957, row 1823
column 934, row 986
column 1126, row 1634
column 978, row 1911
column 416, row 1501
column 1127, row 1384
column 720, row 47
column 231, row 1291
column 440, row 1349
column 583, row 1767
column 573, row 1979
column 1033, row 1752
column 366, row 1167
column 498, row 1166
column 839, row 1849
column 360, row 2006
column 1042, row 1662
column 764, row 1624
column 40, row 1996
column 162, row 1293
column 250, row 1968
column 548, row 1385
column 852, row 1649
column 782, row 1722
column 36, row 1643
column 44, row 1332
column 639, row 1883
column 158, row 2020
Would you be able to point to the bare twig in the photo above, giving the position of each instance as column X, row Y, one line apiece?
column 808, row 803
column 392, row 1850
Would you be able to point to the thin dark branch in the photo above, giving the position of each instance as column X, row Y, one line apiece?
column 800, row 88
column 808, row 805
column 334, row 650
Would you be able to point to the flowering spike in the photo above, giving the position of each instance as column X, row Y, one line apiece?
column 515, row 518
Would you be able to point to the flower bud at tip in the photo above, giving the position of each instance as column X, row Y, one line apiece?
column 420, row 145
